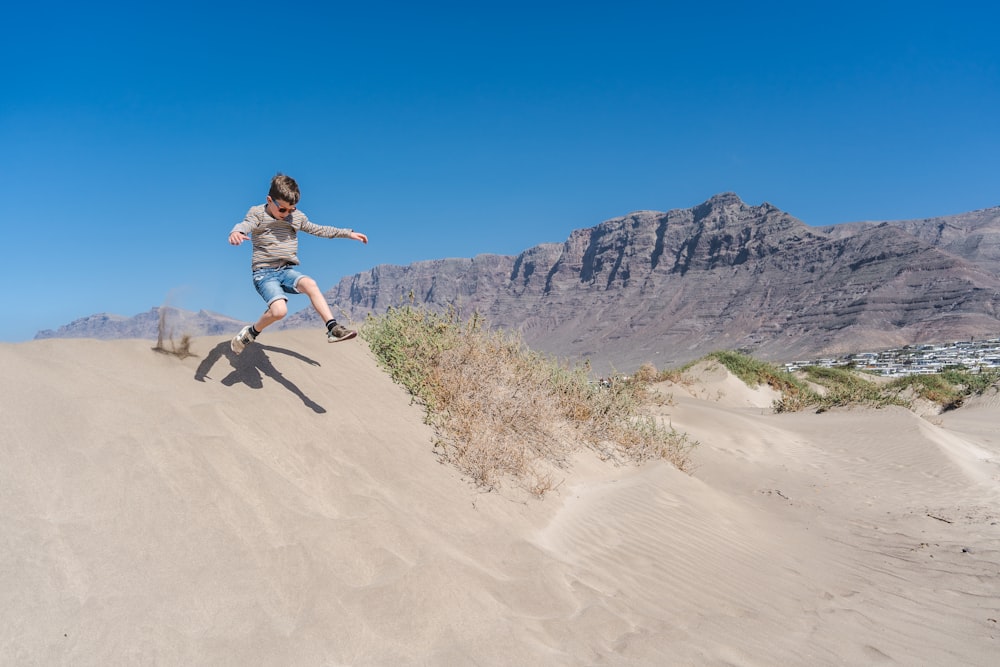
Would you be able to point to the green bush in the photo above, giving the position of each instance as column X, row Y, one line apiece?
column 844, row 386
column 949, row 389
column 795, row 394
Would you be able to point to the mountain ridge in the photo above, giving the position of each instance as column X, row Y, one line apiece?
column 668, row 287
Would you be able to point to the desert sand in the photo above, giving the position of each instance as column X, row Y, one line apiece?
column 285, row 507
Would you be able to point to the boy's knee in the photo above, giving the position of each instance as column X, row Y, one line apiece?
column 279, row 308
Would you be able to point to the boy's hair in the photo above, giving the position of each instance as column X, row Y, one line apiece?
column 284, row 188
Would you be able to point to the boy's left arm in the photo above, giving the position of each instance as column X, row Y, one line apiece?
column 310, row 227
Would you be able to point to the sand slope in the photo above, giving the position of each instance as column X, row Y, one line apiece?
column 285, row 508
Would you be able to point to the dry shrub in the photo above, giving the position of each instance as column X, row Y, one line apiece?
column 646, row 374
column 181, row 349
column 491, row 408
column 503, row 411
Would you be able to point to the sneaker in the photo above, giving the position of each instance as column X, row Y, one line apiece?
column 241, row 340
column 338, row 333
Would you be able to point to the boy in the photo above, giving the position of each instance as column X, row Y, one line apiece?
column 272, row 227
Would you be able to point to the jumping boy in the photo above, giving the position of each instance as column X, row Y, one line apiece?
column 272, row 227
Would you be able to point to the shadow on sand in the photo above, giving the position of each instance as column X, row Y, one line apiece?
column 251, row 367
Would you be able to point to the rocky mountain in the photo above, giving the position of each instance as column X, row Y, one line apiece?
column 176, row 323
column 973, row 236
column 670, row 287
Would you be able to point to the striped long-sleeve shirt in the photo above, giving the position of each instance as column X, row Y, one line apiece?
column 274, row 240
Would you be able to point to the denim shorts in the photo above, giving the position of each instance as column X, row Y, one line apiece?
column 274, row 284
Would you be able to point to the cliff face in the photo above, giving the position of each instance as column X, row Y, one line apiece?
column 669, row 287
column 973, row 236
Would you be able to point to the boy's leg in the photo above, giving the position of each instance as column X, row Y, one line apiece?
column 334, row 332
column 270, row 289
column 276, row 311
column 308, row 286
column 248, row 334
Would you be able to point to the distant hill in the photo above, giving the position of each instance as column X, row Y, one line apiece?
column 146, row 325
column 670, row 287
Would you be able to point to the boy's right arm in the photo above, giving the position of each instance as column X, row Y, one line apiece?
column 240, row 232
column 236, row 238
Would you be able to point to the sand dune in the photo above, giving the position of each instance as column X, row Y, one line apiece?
column 285, row 508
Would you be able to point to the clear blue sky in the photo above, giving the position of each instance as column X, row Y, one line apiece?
column 134, row 135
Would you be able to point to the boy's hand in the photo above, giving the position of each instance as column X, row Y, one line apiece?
column 236, row 238
column 358, row 236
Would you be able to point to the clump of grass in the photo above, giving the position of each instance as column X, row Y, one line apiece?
column 845, row 387
column 841, row 387
column 754, row 372
column 502, row 411
column 949, row 389
column 933, row 388
column 795, row 394
column 971, row 383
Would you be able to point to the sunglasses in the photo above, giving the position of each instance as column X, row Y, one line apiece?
column 282, row 209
